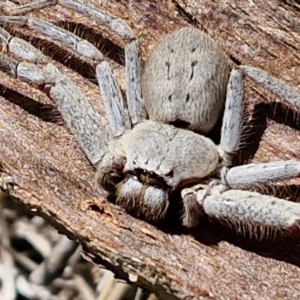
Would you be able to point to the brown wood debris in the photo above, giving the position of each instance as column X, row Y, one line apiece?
column 54, row 179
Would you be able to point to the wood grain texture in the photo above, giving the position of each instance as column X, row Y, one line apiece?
column 54, row 179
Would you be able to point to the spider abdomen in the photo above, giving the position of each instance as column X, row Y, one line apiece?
column 185, row 80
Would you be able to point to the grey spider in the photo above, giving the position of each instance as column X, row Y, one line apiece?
column 187, row 82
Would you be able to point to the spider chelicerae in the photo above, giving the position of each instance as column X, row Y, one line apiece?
column 157, row 144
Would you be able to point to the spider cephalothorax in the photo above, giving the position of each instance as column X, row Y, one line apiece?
column 148, row 173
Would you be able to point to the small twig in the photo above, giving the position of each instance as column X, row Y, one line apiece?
column 75, row 258
column 64, row 284
column 152, row 297
column 52, row 266
column 119, row 291
column 105, row 284
column 8, row 291
column 139, row 294
column 24, row 260
column 84, row 289
column 33, row 291
column 28, row 232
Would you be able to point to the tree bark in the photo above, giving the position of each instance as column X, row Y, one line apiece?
column 53, row 178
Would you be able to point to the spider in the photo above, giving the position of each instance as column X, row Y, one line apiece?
column 157, row 143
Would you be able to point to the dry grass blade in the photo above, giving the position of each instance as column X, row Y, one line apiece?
column 52, row 176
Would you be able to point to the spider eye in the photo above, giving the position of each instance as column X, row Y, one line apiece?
column 152, row 175
column 170, row 174
column 187, row 99
column 180, row 123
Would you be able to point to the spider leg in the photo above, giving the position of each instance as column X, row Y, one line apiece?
column 20, row 48
column 273, row 84
column 115, row 109
column 79, row 115
column 248, row 212
column 233, row 117
column 119, row 26
column 247, row 176
column 11, row 9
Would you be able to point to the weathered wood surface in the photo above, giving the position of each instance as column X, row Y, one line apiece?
column 54, row 178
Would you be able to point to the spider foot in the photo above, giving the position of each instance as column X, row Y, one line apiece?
column 192, row 210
